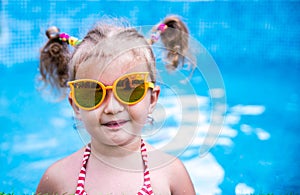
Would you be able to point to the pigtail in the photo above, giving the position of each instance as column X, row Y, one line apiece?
column 54, row 59
column 174, row 35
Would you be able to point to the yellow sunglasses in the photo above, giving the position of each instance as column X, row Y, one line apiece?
column 129, row 89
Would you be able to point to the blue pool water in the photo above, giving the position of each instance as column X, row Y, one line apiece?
column 256, row 46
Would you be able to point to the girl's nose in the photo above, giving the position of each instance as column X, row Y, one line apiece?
column 111, row 104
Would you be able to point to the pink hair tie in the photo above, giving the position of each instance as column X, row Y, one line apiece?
column 156, row 34
column 53, row 33
column 162, row 27
column 63, row 37
column 69, row 39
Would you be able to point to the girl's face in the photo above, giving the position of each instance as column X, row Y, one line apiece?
column 115, row 123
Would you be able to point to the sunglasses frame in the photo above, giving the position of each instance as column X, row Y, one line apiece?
column 148, row 84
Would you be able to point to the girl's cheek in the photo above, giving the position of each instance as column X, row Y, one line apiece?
column 89, row 117
column 138, row 113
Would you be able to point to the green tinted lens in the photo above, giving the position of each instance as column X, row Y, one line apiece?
column 88, row 94
column 130, row 90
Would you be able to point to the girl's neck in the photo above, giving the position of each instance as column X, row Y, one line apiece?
column 116, row 151
column 127, row 156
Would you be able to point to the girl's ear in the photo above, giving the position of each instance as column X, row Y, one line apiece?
column 154, row 98
column 75, row 108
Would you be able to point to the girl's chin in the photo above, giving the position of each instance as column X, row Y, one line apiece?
column 120, row 140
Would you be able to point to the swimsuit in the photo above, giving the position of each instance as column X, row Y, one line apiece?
column 145, row 190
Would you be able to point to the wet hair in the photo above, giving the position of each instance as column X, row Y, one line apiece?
column 175, row 38
column 105, row 42
column 54, row 59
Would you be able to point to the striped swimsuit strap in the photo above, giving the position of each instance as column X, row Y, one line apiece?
column 145, row 190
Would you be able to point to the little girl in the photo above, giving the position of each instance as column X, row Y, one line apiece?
column 111, row 74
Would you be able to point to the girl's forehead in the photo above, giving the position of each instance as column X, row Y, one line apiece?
column 108, row 73
column 113, row 72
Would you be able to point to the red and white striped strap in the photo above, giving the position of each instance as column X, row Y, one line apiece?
column 145, row 190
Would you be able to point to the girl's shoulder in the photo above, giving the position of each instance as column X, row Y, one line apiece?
column 68, row 164
column 61, row 177
column 159, row 159
column 169, row 171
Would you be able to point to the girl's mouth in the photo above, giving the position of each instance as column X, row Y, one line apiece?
column 114, row 124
